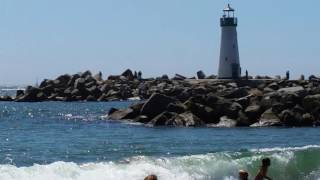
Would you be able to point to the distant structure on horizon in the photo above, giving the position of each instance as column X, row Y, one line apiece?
column 229, row 65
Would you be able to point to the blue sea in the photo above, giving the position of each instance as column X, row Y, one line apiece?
column 71, row 141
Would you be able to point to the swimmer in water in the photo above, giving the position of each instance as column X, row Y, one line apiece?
column 266, row 162
column 151, row 177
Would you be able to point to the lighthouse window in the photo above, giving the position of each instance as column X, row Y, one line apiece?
column 226, row 59
column 234, row 46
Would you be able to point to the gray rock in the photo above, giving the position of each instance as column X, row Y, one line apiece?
column 308, row 119
column 79, row 83
column 128, row 74
column 94, row 91
column 179, row 77
column 297, row 90
column 233, row 110
column 268, row 118
column 235, row 93
column 19, row 93
column 86, row 74
column 30, row 95
column 273, row 86
column 165, row 77
column 186, row 119
column 156, row 104
column 311, row 101
column 122, row 114
column 290, row 118
column 205, row 113
column 162, row 119
column 201, row 75
column 243, row 120
column 277, row 108
column 91, row 98
column 176, row 107
column 253, row 112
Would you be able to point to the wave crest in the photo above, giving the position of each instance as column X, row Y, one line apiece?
column 287, row 163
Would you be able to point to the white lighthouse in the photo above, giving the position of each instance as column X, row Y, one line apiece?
column 229, row 66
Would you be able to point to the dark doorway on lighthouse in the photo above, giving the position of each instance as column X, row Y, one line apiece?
column 235, row 70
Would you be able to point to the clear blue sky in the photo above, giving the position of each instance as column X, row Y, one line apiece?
column 45, row 38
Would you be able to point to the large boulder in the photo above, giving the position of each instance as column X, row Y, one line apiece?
column 179, row 77
column 308, row 119
column 176, row 107
column 94, row 91
column 122, row 114
column 232, row 111
column 268, row 118
column 79, row 83
column 30, row 95
column 244, row 121
column 86, row 74
column 211, row 99
column 73, row 79
column 310, row 102
column 162, row 119
column 19, row 93
column 273, row 86
column 186, row 119
column 164, row 77
column 253, row 112
column 234, row 93
column 156, row 104
column 128, row 74
column 290, row 118
column 201, row 75
column 299, row 90
column 63, row 80
column 205, row 113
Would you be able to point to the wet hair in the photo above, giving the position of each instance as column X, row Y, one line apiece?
column 243, row 175
column 151, row 177
column 266, row 162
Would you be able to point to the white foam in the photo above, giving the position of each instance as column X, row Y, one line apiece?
column 220, row 166
column 279, row 149
column 211, row 166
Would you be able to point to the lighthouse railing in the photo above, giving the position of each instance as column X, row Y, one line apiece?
column 227, row 21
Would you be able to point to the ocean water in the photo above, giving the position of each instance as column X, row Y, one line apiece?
column 70, row 141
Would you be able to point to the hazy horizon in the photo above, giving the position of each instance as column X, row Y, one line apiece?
column 44, row 39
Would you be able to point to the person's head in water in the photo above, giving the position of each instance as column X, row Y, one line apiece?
column 243, row 175
column 266, row 162
column 151, row 177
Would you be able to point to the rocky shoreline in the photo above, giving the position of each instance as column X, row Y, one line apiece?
column 190, row 102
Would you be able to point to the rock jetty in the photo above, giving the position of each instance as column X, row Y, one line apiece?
column 218, row 103
column 190, row 102
column 88, row 87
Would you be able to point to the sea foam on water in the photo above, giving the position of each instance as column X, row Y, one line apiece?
column 287, row 163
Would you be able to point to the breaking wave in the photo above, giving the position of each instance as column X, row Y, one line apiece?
column 287, row 163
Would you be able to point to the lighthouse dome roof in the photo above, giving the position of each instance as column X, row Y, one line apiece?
column 228, row 8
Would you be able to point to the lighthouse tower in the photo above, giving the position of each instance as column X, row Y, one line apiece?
column 229, row 66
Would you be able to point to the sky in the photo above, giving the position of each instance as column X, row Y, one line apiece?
column 45, row 38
